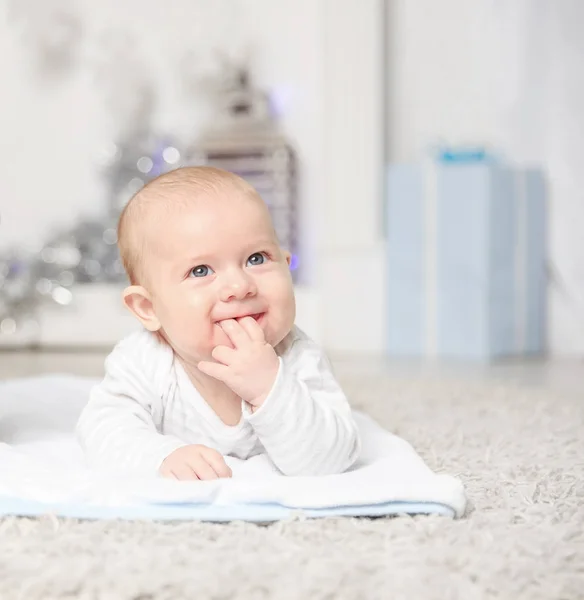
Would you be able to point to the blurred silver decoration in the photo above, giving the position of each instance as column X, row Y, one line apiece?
column 137, row 159
column 245, row 139
column 24, row 288
column 87, row 253
column 51, row 33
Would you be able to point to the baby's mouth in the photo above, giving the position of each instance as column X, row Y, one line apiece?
column 257, row 317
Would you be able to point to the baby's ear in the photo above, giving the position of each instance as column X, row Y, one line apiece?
column 138, row 302
column 287, row 256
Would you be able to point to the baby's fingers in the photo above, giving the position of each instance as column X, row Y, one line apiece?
column 235, row 332
column 203, row 469
column 216, row 460
column 184, row 473
column 176, row 470
column 253, row 329
column 215, row 370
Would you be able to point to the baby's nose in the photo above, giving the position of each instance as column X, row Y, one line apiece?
column 238, row 288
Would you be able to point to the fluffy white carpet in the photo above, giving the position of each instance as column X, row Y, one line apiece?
column 519, row 451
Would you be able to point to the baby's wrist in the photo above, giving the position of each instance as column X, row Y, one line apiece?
column 260, row 398
column 255, row 403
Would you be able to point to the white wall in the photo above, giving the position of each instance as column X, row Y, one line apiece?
column 436, row 75
column 352, row 248
column 505, row 73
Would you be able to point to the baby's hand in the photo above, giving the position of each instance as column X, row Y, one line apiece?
column 250, row 367
column 195, row 462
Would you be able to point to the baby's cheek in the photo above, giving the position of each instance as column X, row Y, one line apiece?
column 288, row 312
column 198, row 307
column 192, row 317
column 198, row 300
column 285, row 299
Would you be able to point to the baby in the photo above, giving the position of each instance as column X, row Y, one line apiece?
column 219, row 368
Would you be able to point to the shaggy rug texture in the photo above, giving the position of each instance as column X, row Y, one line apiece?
column 519, row 451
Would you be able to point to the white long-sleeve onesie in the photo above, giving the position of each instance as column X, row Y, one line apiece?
column 146, row 407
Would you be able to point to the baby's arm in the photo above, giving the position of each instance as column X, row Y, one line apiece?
column 118, row 428
column 305, row 424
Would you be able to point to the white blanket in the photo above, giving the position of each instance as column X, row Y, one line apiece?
column 42, row 471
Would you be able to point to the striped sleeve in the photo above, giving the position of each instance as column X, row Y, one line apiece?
column 306, row 424
column 118, row 428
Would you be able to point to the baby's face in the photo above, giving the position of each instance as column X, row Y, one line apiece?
column 219, row 260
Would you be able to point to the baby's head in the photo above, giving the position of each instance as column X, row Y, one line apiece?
column 199, row 247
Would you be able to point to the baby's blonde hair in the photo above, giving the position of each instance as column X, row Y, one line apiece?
column 175, row 189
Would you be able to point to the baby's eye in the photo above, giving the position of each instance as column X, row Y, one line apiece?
column 259, row 258
column 201, row 271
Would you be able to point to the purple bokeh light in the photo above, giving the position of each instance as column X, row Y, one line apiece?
column 279, row 101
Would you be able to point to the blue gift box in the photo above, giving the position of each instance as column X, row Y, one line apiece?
column 466, row 260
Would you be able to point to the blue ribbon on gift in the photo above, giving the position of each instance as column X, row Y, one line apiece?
column 463, row 155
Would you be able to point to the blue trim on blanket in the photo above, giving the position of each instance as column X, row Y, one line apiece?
column 257, row 513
